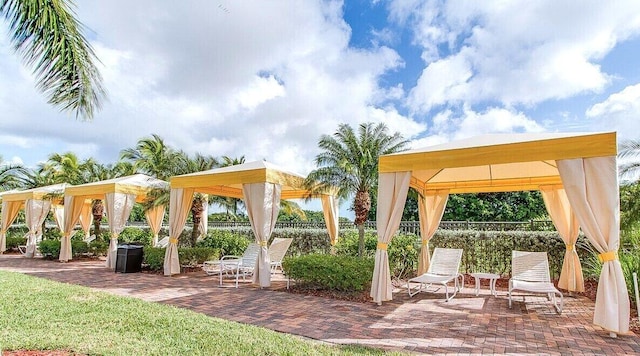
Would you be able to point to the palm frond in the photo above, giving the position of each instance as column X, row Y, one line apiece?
column 49, row 38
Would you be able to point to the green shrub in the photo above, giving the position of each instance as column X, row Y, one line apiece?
column 134, row 234
column 630, row 262
column 98, row 247
column 153, row 257
column 403, row 250
column 403, row 255
column 50, row 249
column 226, row 242
column 14, row 242
column 79, row 247
column 327, row 272
column 17, row 231
column 348, row 243
column 305, row 241
column 194, row 256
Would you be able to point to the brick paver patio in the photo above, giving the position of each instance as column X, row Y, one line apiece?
column 422, row 324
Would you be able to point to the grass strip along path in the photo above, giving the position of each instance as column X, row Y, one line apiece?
column 38, row 314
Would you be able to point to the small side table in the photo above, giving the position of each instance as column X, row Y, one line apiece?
column 492, row 277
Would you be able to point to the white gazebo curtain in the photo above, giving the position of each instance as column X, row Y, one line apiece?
column 392, row 194
column 36, row 212
column 118, row 207
column 10, row 210
column 179, row 204
column 86, row 218
column 72, row 210
column 331, row 217
column 431, row 206
column 566, row 223
column 58, row 216
column 263, row 204
column 154, row 216
column 592, row 189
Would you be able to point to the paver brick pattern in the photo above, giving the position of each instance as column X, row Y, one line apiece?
column 425, row 323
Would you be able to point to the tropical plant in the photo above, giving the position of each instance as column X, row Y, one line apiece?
column 64, row 168
column 349, row 162
column 49, row 38
column 629, row 207
column 291, row 209
column 232, row 206
column 153, row 157
column 187, row 165
column 629, row 151
column 10, row 175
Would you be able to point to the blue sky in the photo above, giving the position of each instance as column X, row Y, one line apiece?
column 266, row 79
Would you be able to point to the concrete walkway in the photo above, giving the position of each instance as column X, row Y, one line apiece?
column 422, row 324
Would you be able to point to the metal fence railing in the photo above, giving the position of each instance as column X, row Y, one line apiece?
column 414, row 226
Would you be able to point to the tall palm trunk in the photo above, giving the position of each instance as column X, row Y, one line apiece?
column 97, row 210
column 361, row 206
column 197, row 208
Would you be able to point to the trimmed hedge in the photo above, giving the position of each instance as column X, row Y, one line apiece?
column 153, row 257
column 14, row 242
column 227, row 242
column 327, row 272
column 50, row 249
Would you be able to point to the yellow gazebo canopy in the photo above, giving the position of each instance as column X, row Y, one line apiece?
column 39, row 193
column 138, row 184
column 497, row 162
column 228, row 181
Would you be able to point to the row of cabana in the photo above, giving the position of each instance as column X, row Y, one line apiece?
column 260, row 184
column 576, row 173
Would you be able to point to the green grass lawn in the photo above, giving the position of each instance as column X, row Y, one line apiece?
column 38, row 314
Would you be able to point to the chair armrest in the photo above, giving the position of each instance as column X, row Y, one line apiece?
column 232, row 257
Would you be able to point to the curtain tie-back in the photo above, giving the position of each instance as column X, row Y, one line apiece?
column 571, row 247
column 425, row 242
column 608, row 256
column 173, row 241
column 382, row 246
column 262, row 243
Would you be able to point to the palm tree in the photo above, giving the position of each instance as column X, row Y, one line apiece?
column 231, row 205
column 291, row 209
column 38, row 177
column 11, row 175
column 49, row 38
column 95, row 172
column 153, row 157
column 630, row 149
column 350, row 163
column 191, row 165
column 64, row 168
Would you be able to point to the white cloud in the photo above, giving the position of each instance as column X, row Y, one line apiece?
column 514, row 52
column 619, row 112
column 259, row 80
column 448, row 125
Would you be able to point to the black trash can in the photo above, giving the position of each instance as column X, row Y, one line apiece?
column 129, row 258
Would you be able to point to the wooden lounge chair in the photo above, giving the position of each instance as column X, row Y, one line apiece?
column 530, row 273
column 444, row 267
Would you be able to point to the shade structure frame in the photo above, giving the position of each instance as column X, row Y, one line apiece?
column 230, row 182
column 537, row 157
